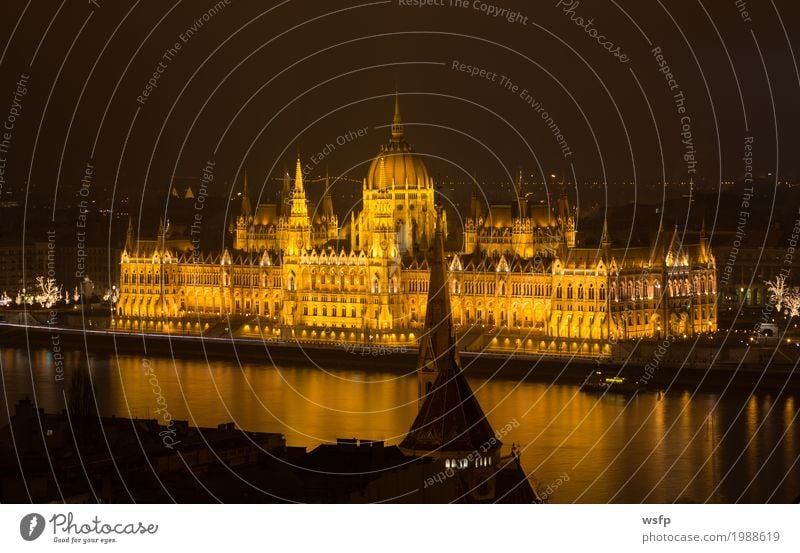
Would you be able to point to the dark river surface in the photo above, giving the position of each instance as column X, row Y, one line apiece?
column 682, row 446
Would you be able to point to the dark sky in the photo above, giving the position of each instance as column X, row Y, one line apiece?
column 259, row 82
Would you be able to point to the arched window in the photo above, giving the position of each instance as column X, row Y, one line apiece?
column 580, row 291
column 602, row 292
column 559, row 292
column 591, row 291
column 569, row 291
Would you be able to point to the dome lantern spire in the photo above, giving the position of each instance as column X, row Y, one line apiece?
column 397, row 122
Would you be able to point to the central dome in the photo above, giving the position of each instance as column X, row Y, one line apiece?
column 397, row 163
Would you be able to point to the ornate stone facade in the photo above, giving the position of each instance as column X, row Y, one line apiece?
column 520, row 284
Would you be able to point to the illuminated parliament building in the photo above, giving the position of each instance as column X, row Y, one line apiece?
column 520, row 283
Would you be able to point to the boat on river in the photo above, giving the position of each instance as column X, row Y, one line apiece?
column 600, row 382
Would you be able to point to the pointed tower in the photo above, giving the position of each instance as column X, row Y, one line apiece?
column 565, row 217
column 327, row 201
column 286, row 195
column 450, row 422
column 242, row 230
column 522, row 195
column 563, row 202
column 702, row 248
column 605, row 239
column 129, row 238
column 471, row 222
column 247, row 208
column 674, row 250
column 298, row 178
column 328, row 214
column 297, row 226
column 436, row 346
column 475, row 204
column 397, row 123
column 161, row 234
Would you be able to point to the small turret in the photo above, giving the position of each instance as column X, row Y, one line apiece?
column 605, row 239
column 328, row 214
column 161, row 233
column 475, row 204
column 522, row 194
column 286, row 195
column 563, row 204
column 129, row 239
column 703, row 246
column 247, row 208
column 327, row 200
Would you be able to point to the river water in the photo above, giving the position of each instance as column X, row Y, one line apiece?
column 680, row 446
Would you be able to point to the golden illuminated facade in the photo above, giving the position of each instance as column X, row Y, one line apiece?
column 520, row 283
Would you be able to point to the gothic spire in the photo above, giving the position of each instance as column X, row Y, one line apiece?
column 438, row 345
column 605, row 240
column 703, row 243
column 129, row 242
column 475, row 203
column 522, row 188
column 327, row 200
column 522, row 195
column 450, row 418
column 298, row 176
column 563, row 201
column 247, row 208
column 397, row 122
column 161, row 234
column 286, row 193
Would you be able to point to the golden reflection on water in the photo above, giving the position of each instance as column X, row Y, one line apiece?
column 613, row 448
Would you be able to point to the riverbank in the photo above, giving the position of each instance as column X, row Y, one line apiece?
column 654, row 371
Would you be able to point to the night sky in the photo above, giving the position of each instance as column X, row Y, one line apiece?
column 257, row 83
